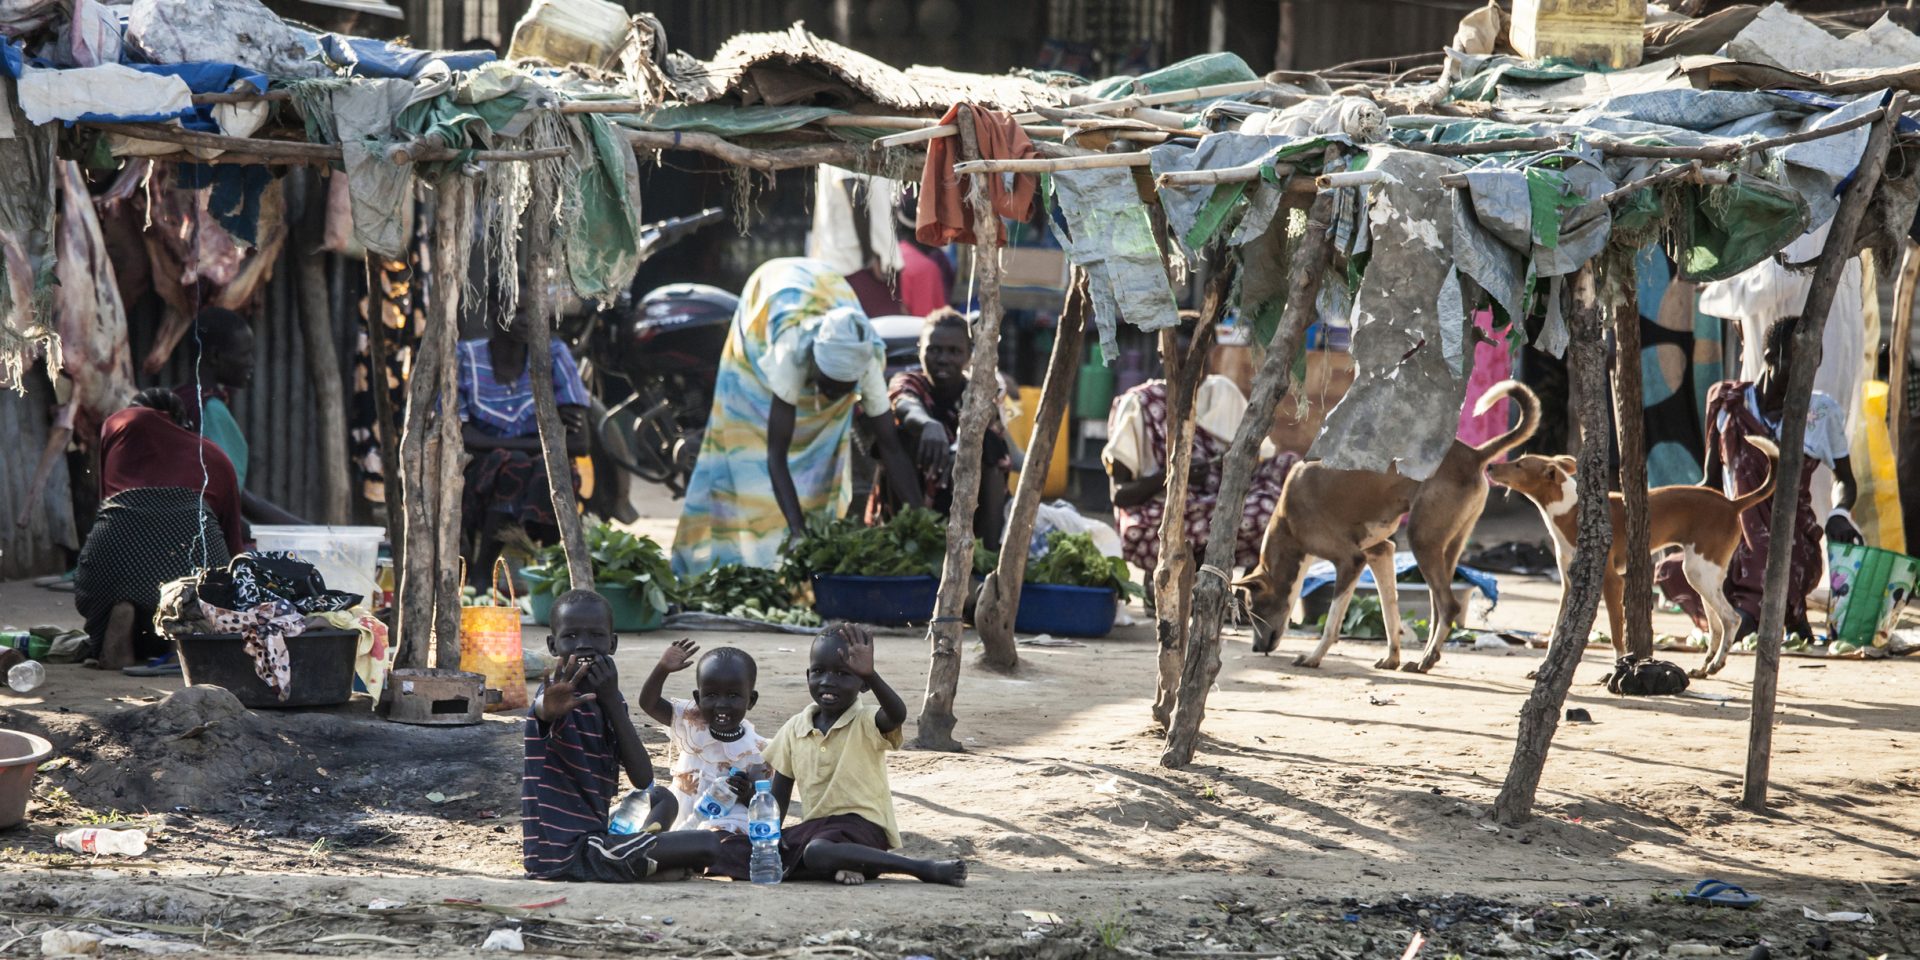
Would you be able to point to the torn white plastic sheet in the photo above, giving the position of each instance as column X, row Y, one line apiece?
column 1780, row 38
column 108, row 90
column 1404, row 407
column 1112, row 240
column 248, row 34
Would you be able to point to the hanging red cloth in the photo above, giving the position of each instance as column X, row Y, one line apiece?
column 945, row 215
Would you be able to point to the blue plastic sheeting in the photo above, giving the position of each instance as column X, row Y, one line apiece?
column 1321, row 574
column 385, row 60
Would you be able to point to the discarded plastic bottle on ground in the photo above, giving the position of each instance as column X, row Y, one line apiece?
column 718, row 799
column 630, row 813
column 763, row 828
column 26, row 677
column 118, row 843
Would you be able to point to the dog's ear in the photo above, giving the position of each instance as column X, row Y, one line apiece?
column 1567, row 465
column 1253, row 584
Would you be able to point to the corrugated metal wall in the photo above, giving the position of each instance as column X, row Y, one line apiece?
column 1330, row 33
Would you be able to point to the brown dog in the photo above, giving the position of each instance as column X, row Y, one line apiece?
column 1701, row 521
column 1348, row 517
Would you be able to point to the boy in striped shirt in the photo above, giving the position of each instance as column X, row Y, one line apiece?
column 579, row 737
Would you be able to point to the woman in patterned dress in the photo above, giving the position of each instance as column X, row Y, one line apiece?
column 800, row 355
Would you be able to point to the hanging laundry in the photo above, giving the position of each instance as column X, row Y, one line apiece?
column 1108, row 235
column 92, row 321
column 843, row 199
column 945, row 214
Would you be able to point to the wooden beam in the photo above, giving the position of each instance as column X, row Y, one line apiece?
column 1630, row 426
column 1841, row 247
column 1899, row 357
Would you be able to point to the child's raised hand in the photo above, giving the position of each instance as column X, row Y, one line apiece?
column 678, row 655
column 562, row 694
column 858, row 650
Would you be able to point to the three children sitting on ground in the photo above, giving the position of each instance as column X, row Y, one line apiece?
column 579, row 735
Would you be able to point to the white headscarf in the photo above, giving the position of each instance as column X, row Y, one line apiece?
column 843, row 345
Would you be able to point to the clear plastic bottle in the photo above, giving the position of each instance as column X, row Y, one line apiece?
column 763, row 828
column 119, row 843
column 26, row 677
column 718, row 799
column 630, row 813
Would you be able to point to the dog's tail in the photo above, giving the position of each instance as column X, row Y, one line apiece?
column 1529, row 418
column 1765, row 489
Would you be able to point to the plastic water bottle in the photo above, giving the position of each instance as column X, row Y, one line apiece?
column 630, row 813
column 119, row 843
column 26, row 677
column 718, row 799
column 763, row 828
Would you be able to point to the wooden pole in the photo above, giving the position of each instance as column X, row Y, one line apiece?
column 1540, row 715
column 956, row 576
column 1172, row 577
column 1899, row 350
column 417, row 513
column 1000, row 596
column 1201, row 663
column 1630, row 425
column 453, row 226
column 1840, row 248
column 323, row 364
column 541, row 316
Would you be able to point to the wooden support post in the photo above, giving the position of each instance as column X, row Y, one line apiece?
column 1540, row 715
column 1201, row 662
column 453, row 226
column 956, row 576
column 541, row 316
column 323, row 362
column 417, row 513
column 1841, row 247
column 1171, row 580
column 1000, row 596
column 386, row 429
column 1899, row 350
column 1630, row 425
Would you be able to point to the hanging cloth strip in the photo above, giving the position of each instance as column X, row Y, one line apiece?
column 945, row 216
column 1107, row 234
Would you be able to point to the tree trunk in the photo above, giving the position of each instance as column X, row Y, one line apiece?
column 1630, row 425
column 1898, row 353
column 956, row 575
column 453, row 228
column 1171, row 580
column 1840, row 248
column 1201, row 663
column 1540, row 715
column 417, row 514
column 323, row 362
column 1000, row 597
column 386, row 430
column 553, row 434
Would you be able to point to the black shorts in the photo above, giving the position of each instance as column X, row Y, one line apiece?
column 736, row 857
column 839, row 828
column 610, row 858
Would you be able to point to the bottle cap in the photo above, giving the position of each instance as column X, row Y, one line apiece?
column 763, row 786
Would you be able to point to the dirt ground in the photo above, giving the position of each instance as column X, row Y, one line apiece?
column 1329, row 813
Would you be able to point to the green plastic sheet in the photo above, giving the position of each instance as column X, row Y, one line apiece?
column 1733, row 226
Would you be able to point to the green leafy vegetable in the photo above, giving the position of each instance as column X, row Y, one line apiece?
column 748, row 593
column 913, row 543
column 1072, row 560
column 620, row 560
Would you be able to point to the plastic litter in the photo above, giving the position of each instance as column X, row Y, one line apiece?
column 1837, row 916
column 69, row 943
column 26, row 677
column 505, row 939
column 118, row 843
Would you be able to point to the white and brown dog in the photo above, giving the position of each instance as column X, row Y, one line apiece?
column 1701, row 521
column 1348, row 517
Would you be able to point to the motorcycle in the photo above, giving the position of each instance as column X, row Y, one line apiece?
column 667, row 352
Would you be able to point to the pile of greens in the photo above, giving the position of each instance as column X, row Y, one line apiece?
column 913, row 543
column 1072, row 560
column 747, row 593
column 621, row 561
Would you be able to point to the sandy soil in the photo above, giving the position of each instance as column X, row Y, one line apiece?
column 1330, row 813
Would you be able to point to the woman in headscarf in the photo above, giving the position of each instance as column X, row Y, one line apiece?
column 169, row 506
column 799, row 356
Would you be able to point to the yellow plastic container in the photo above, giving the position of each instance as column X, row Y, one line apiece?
column 1021, row 427
column 1606, row 33
column 570, row 31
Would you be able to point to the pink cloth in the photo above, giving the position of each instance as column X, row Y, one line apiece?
column 923, row 285
column 1491, row 363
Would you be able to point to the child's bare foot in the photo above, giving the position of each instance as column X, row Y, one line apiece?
column 950, row 872
column 851, row 878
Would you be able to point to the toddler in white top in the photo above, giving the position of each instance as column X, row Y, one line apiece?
column 711, row 740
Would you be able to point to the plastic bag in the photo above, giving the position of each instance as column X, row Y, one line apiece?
column 1060, row 515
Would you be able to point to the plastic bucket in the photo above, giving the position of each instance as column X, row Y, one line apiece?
column 20, row 757
column 1870, row 588
column 631, row 613
column 1065, row 611
column 319, row 665
column 880, row 600
column 348, row 558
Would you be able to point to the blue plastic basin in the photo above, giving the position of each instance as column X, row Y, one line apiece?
column 881, row 600
column 1065, row 611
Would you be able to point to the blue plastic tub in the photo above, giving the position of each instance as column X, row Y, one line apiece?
column 1065, row 611
column 879, row 600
